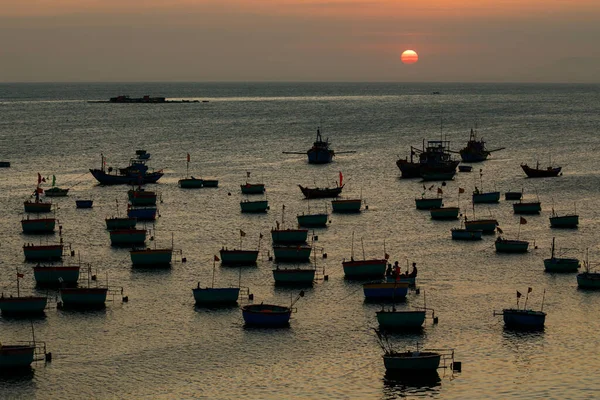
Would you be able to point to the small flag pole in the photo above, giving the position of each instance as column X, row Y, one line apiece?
column 526, row 297
column 213, row 275
column 18, row 285
column 543, row 298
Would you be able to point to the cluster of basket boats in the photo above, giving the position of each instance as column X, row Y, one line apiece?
column 385, row 284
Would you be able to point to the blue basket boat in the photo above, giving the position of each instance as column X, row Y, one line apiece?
column 84, row 203
column 377, row 291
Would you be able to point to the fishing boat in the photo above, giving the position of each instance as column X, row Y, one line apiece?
column 292, row 253
column 287, row 236
column 560, row 264
column 269, row 315
column 47, row 252
column 20, row 356
column 86, row 297
column 444, row 213
column 435, row 162
column 252, row 188
column 513, row 195
column 320, row 152
column 115, row 223
column 142, row 213
column 527, row 207
column 56, row 275
column 141, row 197
column 511, row 246
column 588, row 279
column 378, row 291
column 191, row 183
column 466, row 234
column 393, row 319
column 84, row 203
column 210, row 183
column 37, row 205
column 56, row 192
column 22, row 305
column 127, row 237
column 538, row 172
column 427, row 203
column 475, row 150
column 38, row 225
column 151, row 257
column 394, row 274
column 311, row 220
column 524, row 318
column 365, row 268
column 257, row 206
column 239, row 256
column 131, row 176
column 487, row 197
column 216, row 296
column 293, row 276
column 346, row 205
column 484, row 225
column 563, row 221
column 465, row 168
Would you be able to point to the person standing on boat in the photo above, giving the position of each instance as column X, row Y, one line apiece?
column 388, row 271
column 397, row 271
column 413, row 273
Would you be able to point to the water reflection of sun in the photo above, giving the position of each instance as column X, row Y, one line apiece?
column 409, row 57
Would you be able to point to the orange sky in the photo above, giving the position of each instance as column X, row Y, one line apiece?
column 331, row 40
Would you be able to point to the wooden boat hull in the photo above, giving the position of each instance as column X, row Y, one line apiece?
column 296, row 276
column 216, row 296
column 484, row 225
column 253, row 188
column 56, row 192
column 524, row 319
column 561, row 264
column 259, row 206
column 320, row 193
column 191, row 183
column 428, row 204
column 120, row 223
column 385, row 291
column 39, row 207
column 511, row 246
column 588, row 280
column 266, row 315
column 489, row 197
column 540, row 173
column 397, row 320
column 142, row 214
column 346, row 206
column 127, row 237
column 412, row 362
column 42, row 225
column 444, row 213
column 238, row 257
column 287, row 236
column 292, row 253
column 313, row 220
column 513, row 195
column 84, row 203
column 18, row 306
column 320, row 156
column 473, row 156
column 409, row 169
column 130, row 179
column 54, row 276
column 364, row 269
column 151, row 257
column 527, row 208
column 43, row 252
column 466, row 234
column 83, row 297
column 565, row 221
column 16, row 356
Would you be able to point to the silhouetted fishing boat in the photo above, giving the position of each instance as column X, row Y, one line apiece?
column 487, row 197
column 287, row 236
column 238, row 256
column 216, row 296
column 527, row 207
column 475, row 150
column 466, row 234
column 588, row 279
column 84, row 203
column 114, row 223
column 56, row 275
column 560, row 264
column 191, row 183
column 564, row 221
column 37, row 205
column 319, row 153
column 22, row 305
column 87, row 297
column 435, row 162
column 511, row 246
column 444, row 213
column 425, row 203
column 142, row 213
column 346, row 205
column 151, row 257
column 130, row 177
column 19, row 357
column 38, row 225
column 378, row 291
column 141, row 197
column 465, row 168
column 292, row 253
column 269, row 315
column 127, row 237
column 523, row 318
column 293, row 276
column 253, row 188
column 513, row 195
column 313, row 220
column 360, row 269
column 257, row 206
column 56, row 192
column 48, row 252
column 538, row 172
column 484, row 225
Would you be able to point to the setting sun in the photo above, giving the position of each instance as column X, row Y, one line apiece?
column 409, row 57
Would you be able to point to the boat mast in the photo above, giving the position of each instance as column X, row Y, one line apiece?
column 18, row 285
column 213, row 274
column 363, row 248
column 552, row 256
column 543, row 297
column 352, row 248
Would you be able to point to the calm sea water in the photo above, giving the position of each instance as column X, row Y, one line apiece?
column 159, row 346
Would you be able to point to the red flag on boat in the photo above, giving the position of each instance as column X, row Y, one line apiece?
column 518, row 294
column 40, row 190
column 341, row 178
column 40, row 179
column 217, row 258
column 522, row 221
column 242, row 233
column 20, row 275
column 461, row 190
column 387, row 256
column 260, row 236
column 529, row 290
column 440, row 191
column 188, row 157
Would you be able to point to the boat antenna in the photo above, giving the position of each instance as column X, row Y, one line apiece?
column 543, row 298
